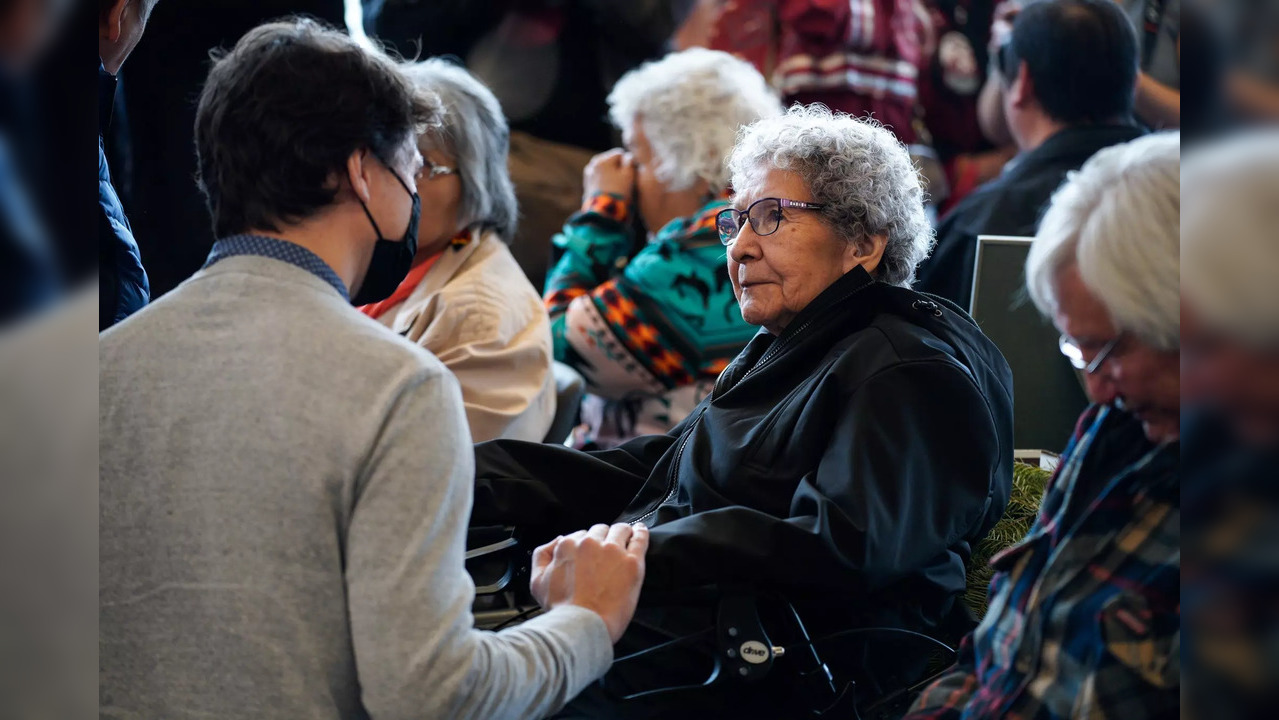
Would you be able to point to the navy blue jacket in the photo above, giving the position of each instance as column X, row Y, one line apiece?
column 123, row 288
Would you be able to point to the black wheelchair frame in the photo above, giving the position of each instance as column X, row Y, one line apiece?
column 741, row 647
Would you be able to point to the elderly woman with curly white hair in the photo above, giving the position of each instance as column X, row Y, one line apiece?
column 650, row 322
column 465, row 298
column 849, row 456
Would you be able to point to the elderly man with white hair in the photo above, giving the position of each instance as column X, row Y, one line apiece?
column 847, row 458
column 651, row 322
column 1084, row 612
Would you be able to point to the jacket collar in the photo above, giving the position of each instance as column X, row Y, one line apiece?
column 450, row 262
column 853, row 281
column 764, row 346
column 1074, row 144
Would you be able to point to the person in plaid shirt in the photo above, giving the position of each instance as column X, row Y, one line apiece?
column 1084, row 617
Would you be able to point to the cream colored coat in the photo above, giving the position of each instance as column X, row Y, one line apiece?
column 477, row 312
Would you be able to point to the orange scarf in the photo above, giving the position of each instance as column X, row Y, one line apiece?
column 406, row 288
column 413, row 279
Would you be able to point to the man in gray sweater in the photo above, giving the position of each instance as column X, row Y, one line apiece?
column 285, row 485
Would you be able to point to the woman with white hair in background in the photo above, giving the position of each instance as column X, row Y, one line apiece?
column 651, row 321
column 465, row 299
column 1085, row 613
column 847, row 458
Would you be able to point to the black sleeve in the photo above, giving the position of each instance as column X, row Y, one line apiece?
column 907, row 474
column 548, row 489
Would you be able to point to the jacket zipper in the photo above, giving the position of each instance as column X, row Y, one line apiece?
column 672, row 482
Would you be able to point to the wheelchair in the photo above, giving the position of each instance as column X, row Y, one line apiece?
column 754, row 636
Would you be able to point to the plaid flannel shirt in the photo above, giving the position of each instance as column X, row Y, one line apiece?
column 1084, row 618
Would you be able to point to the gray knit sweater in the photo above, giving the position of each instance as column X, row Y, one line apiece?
column 285, row 489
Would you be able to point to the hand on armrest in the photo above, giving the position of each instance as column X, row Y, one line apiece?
column 600, row 569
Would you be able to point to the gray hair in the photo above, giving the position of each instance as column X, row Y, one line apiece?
column 857, row 169
column 692, row 104
column 473, row 132
column 1228, row 236
column 1118, row 220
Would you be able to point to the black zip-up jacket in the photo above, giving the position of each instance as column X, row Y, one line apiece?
column 847, row 463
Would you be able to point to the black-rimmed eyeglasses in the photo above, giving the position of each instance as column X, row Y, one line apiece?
column 764, row 215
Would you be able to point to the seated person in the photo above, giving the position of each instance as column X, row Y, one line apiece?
column 1230, row 380
column 850, row 455
column 284, row 482
column 465, row 299
column 1056, row 121
column 651, row 330
column 1084, row 612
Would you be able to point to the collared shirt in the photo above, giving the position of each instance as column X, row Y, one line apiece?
column 248, row 244
column 1084, row 617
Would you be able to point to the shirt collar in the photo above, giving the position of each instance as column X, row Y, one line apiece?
column 282, row 250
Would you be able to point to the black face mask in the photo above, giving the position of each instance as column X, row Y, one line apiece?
column 391, row 259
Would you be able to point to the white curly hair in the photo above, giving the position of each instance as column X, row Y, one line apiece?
column 692, row 104
column 858, row 170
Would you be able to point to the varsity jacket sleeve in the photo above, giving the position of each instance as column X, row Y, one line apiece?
column 647, row 324
column 906, row 476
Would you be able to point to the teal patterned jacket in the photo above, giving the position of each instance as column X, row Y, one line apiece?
column 650, row 333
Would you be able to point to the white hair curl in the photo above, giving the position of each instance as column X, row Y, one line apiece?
column 1229, row 242
column 692, row 104
column 1118, row 220
column 856, row 168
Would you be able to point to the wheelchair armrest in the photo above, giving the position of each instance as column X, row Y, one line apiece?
column 493, row 555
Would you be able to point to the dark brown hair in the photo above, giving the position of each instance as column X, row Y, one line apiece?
column 282, row 112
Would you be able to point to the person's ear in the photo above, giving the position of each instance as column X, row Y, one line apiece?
column 111, row 21
column 358, row 173
column 1022, row 90
column 867, row 252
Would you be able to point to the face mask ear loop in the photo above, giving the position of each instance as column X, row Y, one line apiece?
column 372, row 222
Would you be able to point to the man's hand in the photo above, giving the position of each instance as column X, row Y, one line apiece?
column 600, row 569
column 609, row 172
